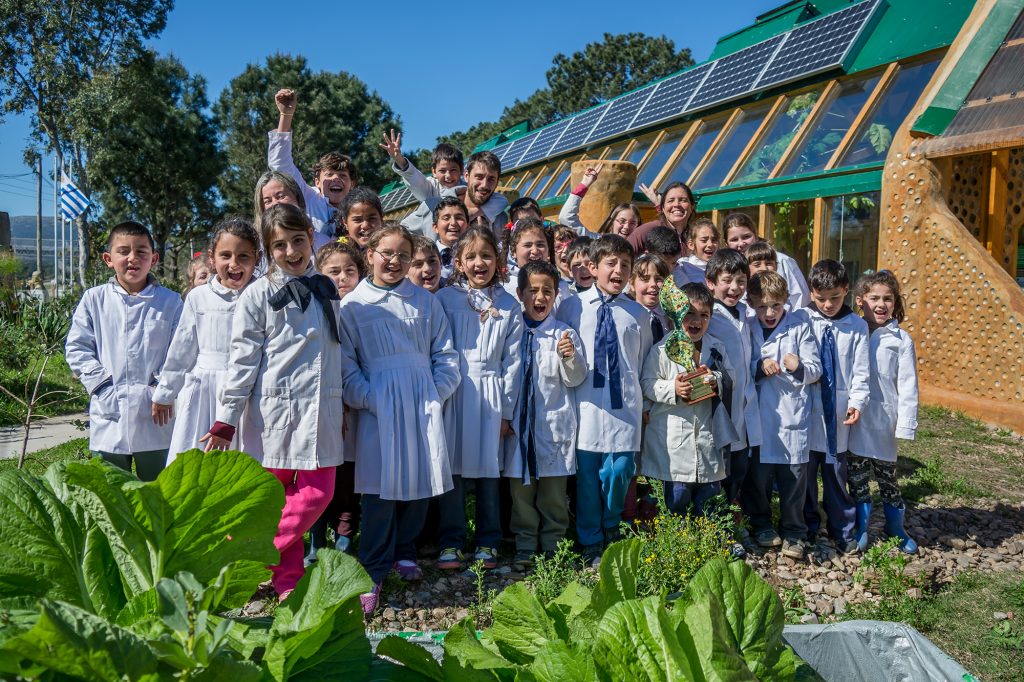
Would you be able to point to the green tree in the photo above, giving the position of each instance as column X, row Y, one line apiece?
column 336, row 112
column 50, row 54
column 156, row 157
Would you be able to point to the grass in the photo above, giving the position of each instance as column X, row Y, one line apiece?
column 37, row 462
column 57, row 378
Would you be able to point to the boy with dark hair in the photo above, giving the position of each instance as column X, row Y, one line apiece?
column 450, row 220
column 445, row 180
column 761, row 256
column 334, row 174
column 616, row 334
column 116, row 347
column 578, row 255
column 664, row 243
column 842, row 394
column 484, row 205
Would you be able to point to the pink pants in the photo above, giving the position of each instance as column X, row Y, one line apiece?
column 306, row 496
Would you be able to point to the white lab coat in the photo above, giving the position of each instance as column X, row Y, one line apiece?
column 429, row 191
column 603, row 429
column 284, row 367
column 785, row 400
column 124, row 337
column 319, row 210
column 554, row 404
column 799, row 294
column 570, row 216
column 852, row 374
column 689, row 270
column 734, row 333
column 683, row 442
column 400, row 366
column 891, row 412
column 197, row 364
column 489, row 364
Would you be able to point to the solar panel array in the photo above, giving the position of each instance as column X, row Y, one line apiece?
column 816, row 46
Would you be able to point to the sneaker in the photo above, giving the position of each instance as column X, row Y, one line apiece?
column 737, row 550
column 794, row 549
column 612, row 535
column 592, row 555
column 488, row 555
column 523, row 561
column 849, row 547
column 408, row 571
column 370, row 599
column 768, row 538
column 450, row 559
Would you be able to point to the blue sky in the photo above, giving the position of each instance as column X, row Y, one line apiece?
column 440, row 71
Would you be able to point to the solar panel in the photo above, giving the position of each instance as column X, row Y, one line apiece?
column 620, row 112
column 671, row 97
column 545, row 140
column 735, row 74
column 519, row 148
column 501, row 150
column 579, row 129
column 389, row 198
column 818, row 45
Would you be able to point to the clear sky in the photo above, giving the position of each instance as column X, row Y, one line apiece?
column 440, row 70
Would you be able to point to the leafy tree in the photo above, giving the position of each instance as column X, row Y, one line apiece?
column 156, row 158
column 336, row 112
column 50, row 54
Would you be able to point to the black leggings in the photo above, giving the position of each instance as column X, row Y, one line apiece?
column 858, row 475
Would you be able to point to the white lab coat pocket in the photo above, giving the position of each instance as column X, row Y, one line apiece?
column 888, row 360
column 276, row 406
column 104, row 404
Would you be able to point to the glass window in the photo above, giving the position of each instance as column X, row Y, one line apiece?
column 636, row 155
column 559, row 180
column 791, row 227
column 692, row 155
column 657, row 161
column 511, row 182
column 616, row 151
column 875, row 135
column 781, row 132
column 730, row 150
column 542, row 179
column 820, row 143
column 524, row 181
column 852, row 237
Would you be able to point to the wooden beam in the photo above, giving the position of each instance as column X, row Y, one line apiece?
column 680, row 149
column 995, row 235
column 755, row 140
column 764, row 217
column 650, row 150
column 809, row 123
column 821, row 217
column 524, row 191
column 865, row 112
column 723, row 134
column 540, row 190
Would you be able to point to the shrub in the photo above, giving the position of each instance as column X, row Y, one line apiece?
column 552, row 574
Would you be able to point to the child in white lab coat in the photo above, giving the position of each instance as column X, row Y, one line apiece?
column 450, row 220
column 701, row 244
column 197, row 361
column 891, row 411
column 787, row 363
column 284, row 375
column 487, row 327
column 530, row 241
column 399, row 368
column 116, row 347
column 540, row 455
column 445, row 181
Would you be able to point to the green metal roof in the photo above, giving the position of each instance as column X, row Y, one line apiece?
column 826, row 184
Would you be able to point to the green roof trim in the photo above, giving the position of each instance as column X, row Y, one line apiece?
column 955, row 89
column 830, row 184
column 639, row 198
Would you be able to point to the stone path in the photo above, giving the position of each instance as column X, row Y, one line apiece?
column 45, row 433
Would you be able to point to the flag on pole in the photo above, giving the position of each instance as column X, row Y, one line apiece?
column 72, row 202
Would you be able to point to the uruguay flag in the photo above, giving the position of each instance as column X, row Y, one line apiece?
column 72, row 202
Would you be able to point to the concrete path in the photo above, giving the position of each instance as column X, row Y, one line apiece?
column 45, row 433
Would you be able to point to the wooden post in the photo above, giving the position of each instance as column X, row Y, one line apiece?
column 995, row 235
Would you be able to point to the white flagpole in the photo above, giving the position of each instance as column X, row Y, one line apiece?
column 63, row 265
column 56, row 212
column 71, row 252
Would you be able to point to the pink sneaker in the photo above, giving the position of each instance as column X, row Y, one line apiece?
column 370, row 599
column 408, row 571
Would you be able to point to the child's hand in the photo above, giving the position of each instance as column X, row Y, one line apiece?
column 162, row 414
column 791, row 362
column 770, row 367
column 565, row 347
column 651, row 195
column 214, row 442
column 393, row 146
column 506, row 428
column 684, row 389
column 286, row 101
column 852, row 416
column 591, row 174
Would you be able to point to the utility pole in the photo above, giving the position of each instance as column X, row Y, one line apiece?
column 39, row 215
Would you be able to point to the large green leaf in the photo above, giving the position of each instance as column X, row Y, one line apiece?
column 318, row 630
column 753, row 613
column 415, row 659
column 521, row 626
column 558, row 662
column 467, row 660
column 704, row 624
column 572, row 613
column 636, row 640
column 202, row 512
column 620, row 565
column 71, row 641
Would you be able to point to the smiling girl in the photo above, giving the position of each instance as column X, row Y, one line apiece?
column 702, row 242
column 361, row 215
column 196, row 363
column 399, row 368
column 284, row 374
column 528, row 242
column 487, row 326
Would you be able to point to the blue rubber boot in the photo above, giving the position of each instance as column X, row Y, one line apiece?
column 894, row 528
column 860, row 529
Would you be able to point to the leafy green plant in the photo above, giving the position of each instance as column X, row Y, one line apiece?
column 884, row 567
column 795, row 603
column 726, row 625
column 480, row 608
column 552, row 574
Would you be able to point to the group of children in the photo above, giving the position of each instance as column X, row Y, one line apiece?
column 379, row 372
